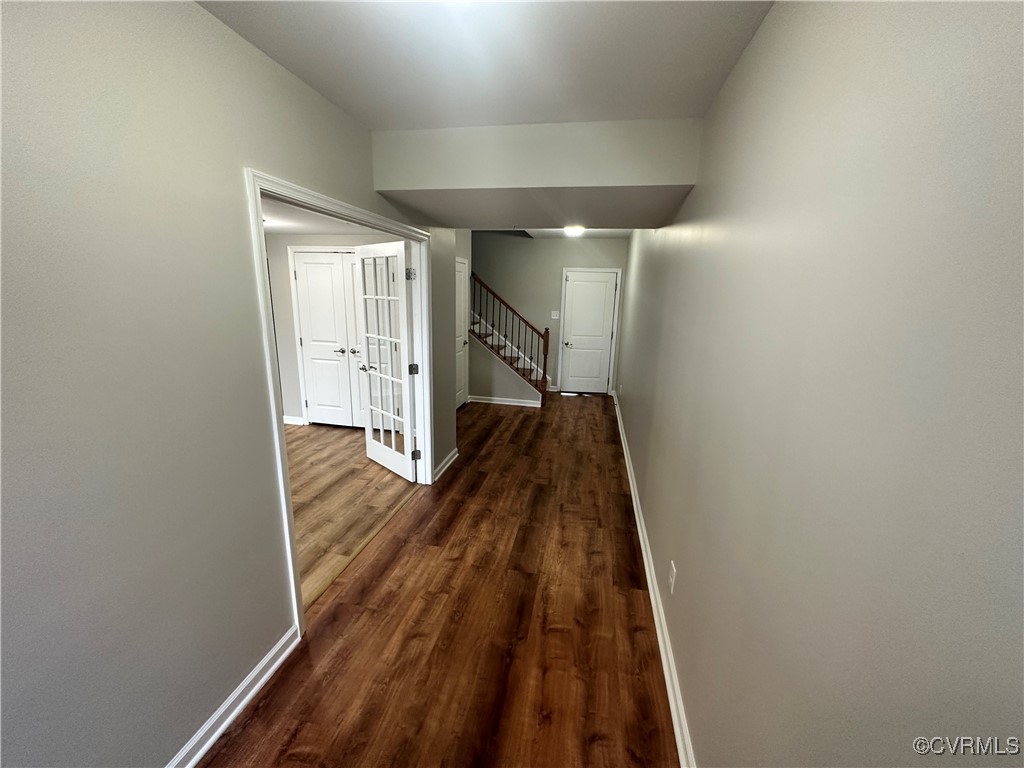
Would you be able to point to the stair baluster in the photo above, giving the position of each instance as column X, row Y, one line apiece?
column 520, row 344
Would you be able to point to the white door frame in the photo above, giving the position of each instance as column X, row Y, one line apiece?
column 256, row 183
column 612, row 373
column 292, row 250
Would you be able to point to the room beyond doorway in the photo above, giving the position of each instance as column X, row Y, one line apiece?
column 399, row 331
column 342, row 490
column 340, row 500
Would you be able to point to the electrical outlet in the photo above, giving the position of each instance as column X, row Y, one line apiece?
column 671, row 576
column 554, row 314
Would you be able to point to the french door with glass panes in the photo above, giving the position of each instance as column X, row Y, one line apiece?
column 385, row 361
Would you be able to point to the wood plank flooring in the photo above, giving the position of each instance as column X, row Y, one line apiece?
column 340, row 500
column 500, row 618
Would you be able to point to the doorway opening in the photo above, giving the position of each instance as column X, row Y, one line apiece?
column 344, row 299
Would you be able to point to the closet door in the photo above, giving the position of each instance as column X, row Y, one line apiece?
column 461, row 331
column 324, row 337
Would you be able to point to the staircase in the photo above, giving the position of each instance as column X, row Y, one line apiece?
column 511, row 337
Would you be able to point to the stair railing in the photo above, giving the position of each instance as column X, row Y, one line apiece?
column 513, row 338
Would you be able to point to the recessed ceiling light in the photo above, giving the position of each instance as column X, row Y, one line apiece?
column 574, row 231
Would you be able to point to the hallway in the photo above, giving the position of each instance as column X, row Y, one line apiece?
column 500, row 618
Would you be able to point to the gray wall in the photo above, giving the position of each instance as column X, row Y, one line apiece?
column 491, row 378
column 821, row 387
column 144, row 564
column 284, row 318
column 611, row 153
column 528, row 274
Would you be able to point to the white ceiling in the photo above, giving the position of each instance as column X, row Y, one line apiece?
column 443, row 65
column 284, row 218
column 591, row 233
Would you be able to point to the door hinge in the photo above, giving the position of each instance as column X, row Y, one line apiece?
column 417, row 454
column 295, row 272
column 307, row 403
column 414, row 368
column 410, row 273
column 300, row 341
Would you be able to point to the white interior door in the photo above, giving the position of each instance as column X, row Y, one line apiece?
column 388, row 330
column 461, row 331
column 323, row 337
column 356, row 340
column 587, row 322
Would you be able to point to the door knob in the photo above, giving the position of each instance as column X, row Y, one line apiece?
column 567, row 344
column 342, row 351
column 354, row 351
column 465, row 342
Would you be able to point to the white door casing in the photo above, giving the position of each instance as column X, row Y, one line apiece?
column 385, row 365
column 461, row 331
column 323, row 334
column 589, row 316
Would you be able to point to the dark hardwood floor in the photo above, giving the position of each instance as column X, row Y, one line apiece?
column 340, row 500
column 500, row 618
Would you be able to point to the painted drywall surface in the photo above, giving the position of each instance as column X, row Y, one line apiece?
column 612, row 153
column 490, row 378
column 445, row 245
column 144, row 565
column 821, row 388
column 464, row 246
column 528, row 274
column 284, row 316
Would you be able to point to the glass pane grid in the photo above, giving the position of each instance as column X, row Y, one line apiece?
column 381, row 307
column 386, row 414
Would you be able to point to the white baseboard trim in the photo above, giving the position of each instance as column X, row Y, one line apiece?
column 205, row 737
column 684, row 745
column 505, row 401
column 296, row 420
column 440, row 469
